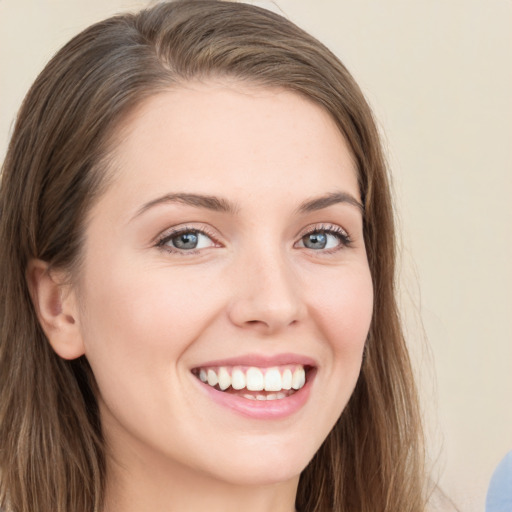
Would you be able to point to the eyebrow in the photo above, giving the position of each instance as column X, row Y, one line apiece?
column 214, row 203
column 220, row 204
column 319, row 203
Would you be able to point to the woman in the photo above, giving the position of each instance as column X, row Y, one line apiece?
column 198, row 278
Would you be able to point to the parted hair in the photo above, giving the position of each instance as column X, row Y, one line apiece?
column 52, row 453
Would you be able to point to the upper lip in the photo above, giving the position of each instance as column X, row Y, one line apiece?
column 262, row 361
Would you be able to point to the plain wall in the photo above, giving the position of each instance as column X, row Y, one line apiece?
column 438, row 74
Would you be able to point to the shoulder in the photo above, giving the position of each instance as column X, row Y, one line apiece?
column 499, row 495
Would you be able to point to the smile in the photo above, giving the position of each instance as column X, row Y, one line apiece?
column 255, row 383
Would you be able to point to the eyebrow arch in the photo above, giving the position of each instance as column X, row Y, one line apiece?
column 319, row 203
column 214, row 203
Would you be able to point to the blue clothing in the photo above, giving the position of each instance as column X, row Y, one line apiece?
column 499, row 495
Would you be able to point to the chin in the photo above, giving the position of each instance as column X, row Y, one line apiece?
column 267, row 467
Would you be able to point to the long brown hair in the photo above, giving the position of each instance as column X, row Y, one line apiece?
column 51, row 448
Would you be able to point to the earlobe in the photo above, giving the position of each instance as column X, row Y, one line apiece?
column 56, row 307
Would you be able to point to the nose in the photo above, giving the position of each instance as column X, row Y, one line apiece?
column 267, row 295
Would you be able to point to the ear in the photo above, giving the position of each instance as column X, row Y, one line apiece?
column 57, row 309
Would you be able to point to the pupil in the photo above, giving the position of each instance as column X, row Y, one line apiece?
column 315, row 241
column 186, row 241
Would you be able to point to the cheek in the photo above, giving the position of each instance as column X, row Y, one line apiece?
column 343, row 309
column 137, row 326
column 344, row 305
column 138, row 321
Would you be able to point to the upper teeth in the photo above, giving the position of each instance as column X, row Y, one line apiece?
column 254, row 378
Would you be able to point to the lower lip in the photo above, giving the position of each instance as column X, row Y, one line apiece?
column 262, row 409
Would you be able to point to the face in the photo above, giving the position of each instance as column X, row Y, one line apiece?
column 225, row 295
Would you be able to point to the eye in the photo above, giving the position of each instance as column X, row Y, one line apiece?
column 319, row 241
column 325, row 239
column 186, row 240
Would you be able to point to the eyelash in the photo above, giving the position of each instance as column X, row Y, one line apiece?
column 175, row 232
column 330, row 229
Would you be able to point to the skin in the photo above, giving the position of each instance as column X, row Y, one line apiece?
column 145, row 314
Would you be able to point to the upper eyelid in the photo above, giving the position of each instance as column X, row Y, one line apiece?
column 344, row 238
column 184, row 228
column 216, row 236
column 323, row 226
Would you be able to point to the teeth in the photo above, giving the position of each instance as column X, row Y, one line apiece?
column 212, row 378
column 275, row 380
column 287, row 379
column 270, row 396
column 254, row 379
column 224, row 379
column 238, row 379
column 299, row 378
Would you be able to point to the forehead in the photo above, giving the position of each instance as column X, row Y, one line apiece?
column 221, row 138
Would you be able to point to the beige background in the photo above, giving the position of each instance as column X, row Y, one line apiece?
column 439, row 76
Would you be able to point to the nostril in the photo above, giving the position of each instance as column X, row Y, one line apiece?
column 266, row 302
